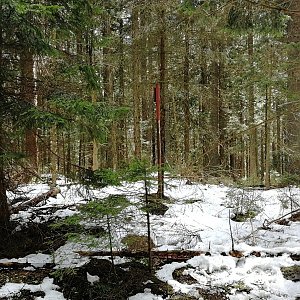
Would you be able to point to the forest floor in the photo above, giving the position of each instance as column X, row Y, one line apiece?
column 42, row 261
column 113, row 282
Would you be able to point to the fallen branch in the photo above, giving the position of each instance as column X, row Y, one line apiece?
column 266, row 223
column 174, row 255
column 14, row 265
column 178, row 255
column 36, row 200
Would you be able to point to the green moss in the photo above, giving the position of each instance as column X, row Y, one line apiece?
column 291, row 273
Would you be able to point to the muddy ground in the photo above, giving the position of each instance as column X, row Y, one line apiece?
column 115, row 282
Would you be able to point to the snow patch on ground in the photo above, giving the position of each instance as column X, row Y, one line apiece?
column 197, row 219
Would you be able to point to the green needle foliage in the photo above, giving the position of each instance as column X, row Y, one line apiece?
column 111, row 206
column 138, row 170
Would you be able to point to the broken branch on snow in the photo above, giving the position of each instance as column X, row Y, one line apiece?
column 36, row 200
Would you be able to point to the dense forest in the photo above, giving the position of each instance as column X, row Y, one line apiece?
column 77, row 81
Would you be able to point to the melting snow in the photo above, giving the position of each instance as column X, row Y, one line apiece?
column 197, row 219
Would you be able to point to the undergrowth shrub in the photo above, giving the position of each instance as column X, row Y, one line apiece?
column 289, row 198
column 245, row 204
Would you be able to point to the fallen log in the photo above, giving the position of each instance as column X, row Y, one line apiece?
column 15, row 265
column 174, row 255
column 36, row 200
column 178, row 255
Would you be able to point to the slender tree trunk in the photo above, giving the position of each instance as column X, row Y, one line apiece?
column 268, row 123
column 53, row 154
column 122, row 143
column 28, row 95
column 222, row 119
column 90, row 59
column 4, row 211
column 95, row 161
column 278, row 161
column 136, row 84
column 267, row 138
column 68, row 161
column 153, row 134
column 253, row 154
column 214, row 157
column 293, row 124
column 262, row 154
column 145, row 87
column 111, row 153
column 162, row 79
column 175, row 149
column 81, row 151
column 186, row 101
column 241, row 145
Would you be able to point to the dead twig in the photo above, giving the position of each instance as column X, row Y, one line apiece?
column 267, row 223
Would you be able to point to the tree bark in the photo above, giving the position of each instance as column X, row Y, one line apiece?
column 4, row 210
column 267, row 138
column 28, row 95
column 162, row 79
column 136, row 84
column 111, row 153
column 53, row 155
column 90, row 57
column 293, row 124
column 253, row 149
column 186, row 101
column 122, row 143
column 214, row 157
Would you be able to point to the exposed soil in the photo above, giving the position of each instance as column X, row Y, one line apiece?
column 21, row 275
column 181, row 276
column 30, row 239
column 212, row 294
column 295, row 217
column 115, row 282
column 291, row 273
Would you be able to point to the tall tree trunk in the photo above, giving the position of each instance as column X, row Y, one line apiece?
column 186, row 101
column 145, row 90
column 293, row 124
column 122, row 141
column 136, row 84
column 28, row 95
column 90, row 58
column 4, row 211
column 162, row 79
column 111, row 153
column 267, row 138
column 53, row 155
column 253, row 158
column 268, row 143
column 278, row 160
column 262, row 154
column 95, row 160
column 240, row 161
column 214, row 157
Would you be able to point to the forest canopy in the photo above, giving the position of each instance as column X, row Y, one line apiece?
column 77, row 87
